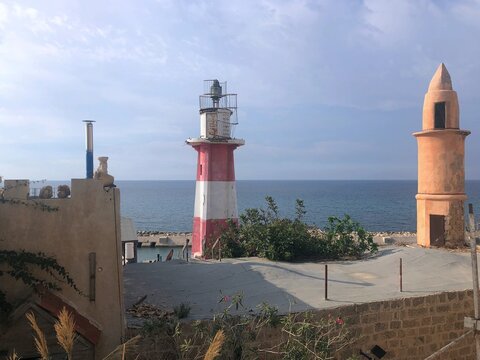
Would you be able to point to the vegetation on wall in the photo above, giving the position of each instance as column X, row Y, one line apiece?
column 267, row 334
column 264, row 233
column 21, row 266
column 38, row 205
column 227, row 336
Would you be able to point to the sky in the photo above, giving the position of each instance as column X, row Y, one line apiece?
column 327, row 89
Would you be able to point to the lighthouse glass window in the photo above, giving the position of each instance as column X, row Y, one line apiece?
column 440, row 115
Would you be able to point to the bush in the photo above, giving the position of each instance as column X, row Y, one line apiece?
column 347, row 238
column 181, row 311
column 263, row 233
column 290, row 337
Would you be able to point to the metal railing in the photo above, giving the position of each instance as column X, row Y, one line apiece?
column 185, row 250
column 219, row 244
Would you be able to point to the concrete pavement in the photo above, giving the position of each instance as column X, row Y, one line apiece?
column 297, row 286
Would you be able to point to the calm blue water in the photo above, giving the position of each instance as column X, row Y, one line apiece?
column 377, row 205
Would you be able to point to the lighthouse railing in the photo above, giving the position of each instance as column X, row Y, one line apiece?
column 219, row 244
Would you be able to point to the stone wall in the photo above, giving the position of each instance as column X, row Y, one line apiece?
column 455, row 225
column 411, row 328
column 407, row 329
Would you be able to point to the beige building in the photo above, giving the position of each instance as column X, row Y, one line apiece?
column 83, row 233
column 441, row 170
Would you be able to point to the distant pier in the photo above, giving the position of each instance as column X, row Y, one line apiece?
column 163, row 239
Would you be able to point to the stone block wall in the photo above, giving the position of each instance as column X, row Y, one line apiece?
column 410, row 328
column 454, row 225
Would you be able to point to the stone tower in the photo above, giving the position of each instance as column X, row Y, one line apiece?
column 441, row 170
column 215, row 193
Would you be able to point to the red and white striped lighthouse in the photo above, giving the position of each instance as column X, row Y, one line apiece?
column 215, row 193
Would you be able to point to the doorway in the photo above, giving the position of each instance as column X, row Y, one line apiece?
column 437, row 230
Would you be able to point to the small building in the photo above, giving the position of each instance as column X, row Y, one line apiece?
column 82, row 232
column 441, row 169
column 129, row 240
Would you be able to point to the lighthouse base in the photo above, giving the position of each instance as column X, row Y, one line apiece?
column 205, row 234
column 440, row 220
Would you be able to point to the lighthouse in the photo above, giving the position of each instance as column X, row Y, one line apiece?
column 215, row 192
column 441, row 168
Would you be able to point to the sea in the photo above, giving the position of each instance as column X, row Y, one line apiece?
column 378, row 205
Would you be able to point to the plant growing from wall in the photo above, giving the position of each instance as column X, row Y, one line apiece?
column 236, row 336
column 20, row 265
column 38, row 205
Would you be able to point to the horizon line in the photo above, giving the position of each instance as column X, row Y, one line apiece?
column 246, row 179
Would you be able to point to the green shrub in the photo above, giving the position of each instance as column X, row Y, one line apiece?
column 182, row 311
column 263, row 233
column 347, row 238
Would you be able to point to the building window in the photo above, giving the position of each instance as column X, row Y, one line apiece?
column 440, row 115
column 201, row 169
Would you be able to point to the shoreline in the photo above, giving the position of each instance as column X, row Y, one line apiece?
column 178, row 239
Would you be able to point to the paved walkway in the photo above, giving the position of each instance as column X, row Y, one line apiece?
column 297, row 286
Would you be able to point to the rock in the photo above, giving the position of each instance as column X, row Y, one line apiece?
column 63, row 191
column 46, row 192
column 388, row 240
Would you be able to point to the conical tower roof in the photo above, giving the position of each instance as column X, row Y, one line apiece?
column 441, row 79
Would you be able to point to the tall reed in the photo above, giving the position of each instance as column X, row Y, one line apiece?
column 122, row 351
column 215, row 346
column 65, row 331
column 39, row 337
column 13, row 356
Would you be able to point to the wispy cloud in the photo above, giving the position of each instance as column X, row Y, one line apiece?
column 319, row 82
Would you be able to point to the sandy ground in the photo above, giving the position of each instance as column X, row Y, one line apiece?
column 297, row 286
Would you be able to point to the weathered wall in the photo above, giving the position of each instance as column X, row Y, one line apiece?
column 87, row 222
column 441, row 156
column 449, row 206
column 407, row 329
column 412, row 328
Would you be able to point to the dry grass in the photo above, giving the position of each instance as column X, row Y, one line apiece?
column 65, row 331
column 39, row 337
column 216, row 346
column 124, row 350
column 13, row 356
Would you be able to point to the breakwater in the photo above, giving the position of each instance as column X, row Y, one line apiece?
column 163, row 239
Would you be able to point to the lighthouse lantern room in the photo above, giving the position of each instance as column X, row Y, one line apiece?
column 215, row 193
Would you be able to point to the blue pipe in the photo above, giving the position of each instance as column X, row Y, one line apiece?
column 89, row 164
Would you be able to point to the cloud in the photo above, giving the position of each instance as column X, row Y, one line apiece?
column 319, row 82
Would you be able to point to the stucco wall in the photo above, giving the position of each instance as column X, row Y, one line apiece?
column 441, row 162
column 87, row 222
